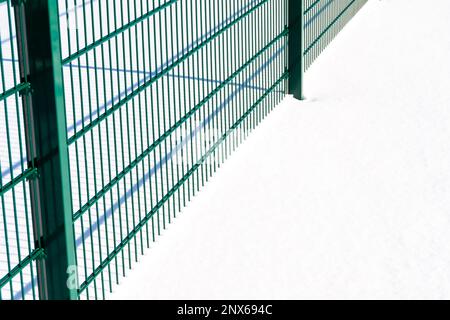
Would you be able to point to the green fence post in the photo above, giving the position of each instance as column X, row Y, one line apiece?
column 296, row 48
column 54, row 206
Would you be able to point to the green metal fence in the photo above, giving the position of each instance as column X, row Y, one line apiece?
column 118, row 112
column 323, row 20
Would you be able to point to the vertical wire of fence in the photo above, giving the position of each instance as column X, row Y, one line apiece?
column 117, row 113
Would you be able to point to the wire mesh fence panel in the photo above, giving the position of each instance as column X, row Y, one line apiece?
column 158, row 94
column 17, row 245
column 323, row 20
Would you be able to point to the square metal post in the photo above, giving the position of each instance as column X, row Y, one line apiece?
column 53, row 206
column 296, row 48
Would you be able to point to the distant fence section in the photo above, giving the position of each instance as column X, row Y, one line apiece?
column 114, row 114
column 323, row 20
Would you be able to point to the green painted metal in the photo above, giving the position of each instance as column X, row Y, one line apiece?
column 128, row 108
column 162, row 118
column 54, row 207
column 296, row 48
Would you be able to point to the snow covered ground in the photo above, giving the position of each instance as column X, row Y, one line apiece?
column 344, row 195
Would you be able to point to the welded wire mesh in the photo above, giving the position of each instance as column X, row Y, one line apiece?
column 324, row 19
column 158, row 94
column 17, row 245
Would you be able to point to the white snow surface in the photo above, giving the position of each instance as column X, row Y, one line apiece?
column 343, row 196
